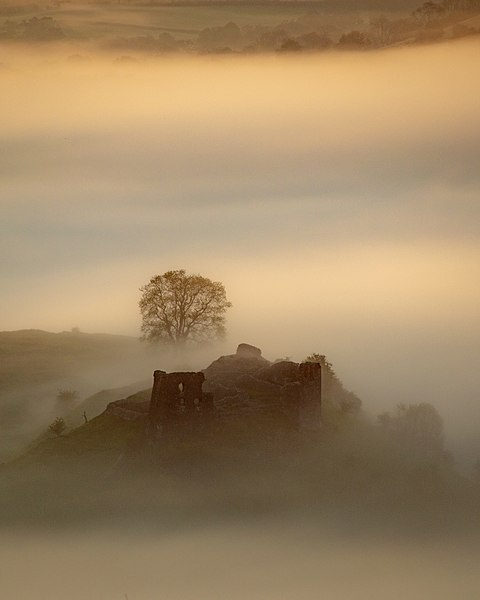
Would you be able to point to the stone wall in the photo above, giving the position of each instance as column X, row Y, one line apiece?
column 129, row 409
column 240, row 386
column 178, row 399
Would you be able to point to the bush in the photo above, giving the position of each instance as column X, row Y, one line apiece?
column 58, row 426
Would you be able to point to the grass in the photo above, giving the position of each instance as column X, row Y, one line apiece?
column 105, row 433
column 103, row 438
column 33, row 357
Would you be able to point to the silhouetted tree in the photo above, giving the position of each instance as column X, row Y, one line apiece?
column 327, row 366
column 177, row 308
column 314, row 41
column 354, row 40
column 66, row 399
column 428, row 11
column 220, row 37
column 337, row 401
column 381, row 29
column 58, row 426
column 290, row 45
column 417, row 427
column 270, row 40
column 67, row 395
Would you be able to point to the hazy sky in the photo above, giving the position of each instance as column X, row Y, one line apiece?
column 336, row 196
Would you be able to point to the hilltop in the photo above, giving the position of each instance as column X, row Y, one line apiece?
column 252, row 398
column 249, row 458
column 247, row 390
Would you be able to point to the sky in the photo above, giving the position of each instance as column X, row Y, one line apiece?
column 335, row 196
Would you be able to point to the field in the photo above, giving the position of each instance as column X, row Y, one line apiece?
column 101, row 22
column 181, row 21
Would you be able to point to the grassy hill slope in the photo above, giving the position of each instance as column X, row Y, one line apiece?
column 35, row 365
column 32, row 356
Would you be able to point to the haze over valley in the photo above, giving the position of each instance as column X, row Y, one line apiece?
column 332, row 193
column 334, row 196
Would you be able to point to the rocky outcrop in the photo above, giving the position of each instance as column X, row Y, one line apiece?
column 227, row 370
column 246, row 384
column 248, row 351
column 280, row 373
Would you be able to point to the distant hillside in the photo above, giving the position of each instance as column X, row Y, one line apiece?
column 35, row 365
column 95, row 405
column 32, row 356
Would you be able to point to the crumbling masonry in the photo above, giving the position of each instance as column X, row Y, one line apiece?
column 178, row 399
column 178, row 402
column 238, row 388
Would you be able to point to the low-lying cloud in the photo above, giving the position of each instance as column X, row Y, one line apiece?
column 334, row 195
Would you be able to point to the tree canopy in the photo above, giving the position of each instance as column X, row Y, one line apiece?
column 58, row 426
column 417, row 427
column 67, row 397
column 177, row 308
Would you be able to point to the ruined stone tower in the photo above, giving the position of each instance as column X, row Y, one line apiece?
column 178, row 400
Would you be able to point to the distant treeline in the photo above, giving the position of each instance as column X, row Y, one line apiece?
column 11, row 10
column 326, row 5
column 312, row 31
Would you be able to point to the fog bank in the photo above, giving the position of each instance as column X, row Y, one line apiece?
column 335, row 196
column 268, row 561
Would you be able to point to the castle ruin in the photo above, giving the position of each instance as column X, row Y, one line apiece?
column 178, row 399
column 242, row 385
column 238, row 389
